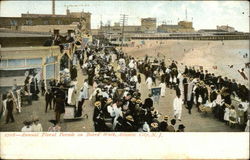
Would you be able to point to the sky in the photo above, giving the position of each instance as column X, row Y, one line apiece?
column 203, row 14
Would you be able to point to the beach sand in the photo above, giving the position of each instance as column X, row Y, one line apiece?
column 198, row 53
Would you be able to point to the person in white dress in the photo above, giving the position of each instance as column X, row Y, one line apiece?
column 177, row 106
column 145, row 127
column 118, row 113
column 36, row 126
column 181, row 86
column 232, row 116
column 85, row 91
column 163, row 88
column 149, row 82
column 226, row 115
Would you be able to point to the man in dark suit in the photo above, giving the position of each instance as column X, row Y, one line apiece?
column 148, row 103
column 59, row 103
column 48, row 99
column 164, row 124
column 98, row 118
column 9, row 107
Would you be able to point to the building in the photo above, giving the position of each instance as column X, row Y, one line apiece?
column 226, row 28
column 9, row 38
column 148, row 25
column 16, row 61
column 47, row 22
column 182, row 26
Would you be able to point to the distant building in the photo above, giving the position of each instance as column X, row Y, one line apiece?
column 148, row 25
column 47, row 22
column 183, row 26
column 226, row 28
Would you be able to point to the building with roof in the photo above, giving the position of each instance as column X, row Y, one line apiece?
column 47, row 22
column 182, row 26
column 226, row 28
column 148, row 25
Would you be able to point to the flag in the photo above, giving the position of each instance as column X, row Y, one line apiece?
column 84, row 42
column 243, row 74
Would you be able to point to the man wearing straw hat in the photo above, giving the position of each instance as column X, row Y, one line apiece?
column 129, row 125
column 164, row 124
column 98, row 117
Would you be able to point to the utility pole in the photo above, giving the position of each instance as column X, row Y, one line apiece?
column 123, row 20
column 101, row 23
column 53, row 7
column 186, row 15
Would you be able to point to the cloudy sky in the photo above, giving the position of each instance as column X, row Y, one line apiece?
column 204, row 14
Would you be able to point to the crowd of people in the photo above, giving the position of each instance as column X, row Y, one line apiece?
column 116, row 80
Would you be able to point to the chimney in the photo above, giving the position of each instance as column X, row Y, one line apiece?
column 53, row 7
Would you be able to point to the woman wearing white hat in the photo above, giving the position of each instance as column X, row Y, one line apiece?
column 149, row 82
column 36, row 126
column 177, row 105
column 163, row 88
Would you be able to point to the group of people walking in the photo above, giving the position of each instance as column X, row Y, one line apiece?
column 116, row 82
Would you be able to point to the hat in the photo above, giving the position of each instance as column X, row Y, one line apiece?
column 181, row 126
column 26, row 123
column 138, row 101
column 9, row 95
column 53, row 121
column 133, row 99
column 109, row 100
column 165, row 117
column 130, row 118
column 35, row 118
column 97, row 103
column 154, row 125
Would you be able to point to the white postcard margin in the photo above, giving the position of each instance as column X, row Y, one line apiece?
column 90, row 145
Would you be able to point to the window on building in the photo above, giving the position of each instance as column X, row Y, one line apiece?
column 13, row 22
column 51, row 59
column 35, row 61
column 3, row 63
column 46, row 22
column 51, row 71
column 59, row 22
column 28, row 22
column 16, row 62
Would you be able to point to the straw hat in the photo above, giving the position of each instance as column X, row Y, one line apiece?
column 130, row 118
column 138, row 101
column 133, row 99
column 165, row 117
column 97, row 103
column 202, row 82
column 154, row 125
column 35, row 118
column 109, row 100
